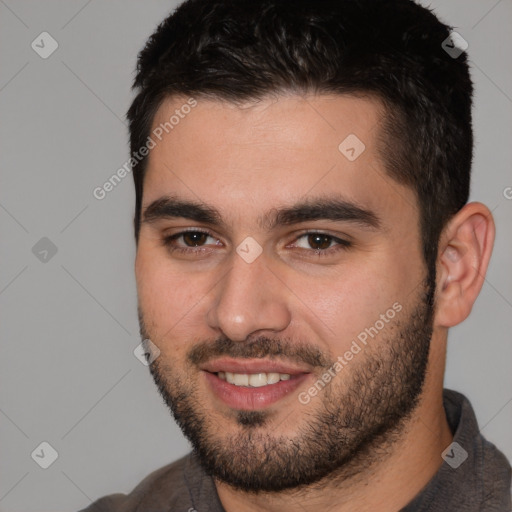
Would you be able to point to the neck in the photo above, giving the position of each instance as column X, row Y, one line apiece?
column 403, row 468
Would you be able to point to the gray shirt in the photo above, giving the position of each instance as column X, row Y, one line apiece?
column 478, row 483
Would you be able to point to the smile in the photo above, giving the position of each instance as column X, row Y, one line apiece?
column 253, row 384
column 254, row 380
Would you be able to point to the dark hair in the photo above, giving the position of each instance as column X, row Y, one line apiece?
column 239, row 50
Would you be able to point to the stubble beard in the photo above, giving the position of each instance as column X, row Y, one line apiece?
column 354, row 422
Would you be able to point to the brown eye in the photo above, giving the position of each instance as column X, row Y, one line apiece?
column 321, row 244
column 192, row 242
column 319, row 241
column 194, row 238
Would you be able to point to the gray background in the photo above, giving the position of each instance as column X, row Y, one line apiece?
column 69, row 325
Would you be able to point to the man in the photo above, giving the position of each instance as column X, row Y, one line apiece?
column 304, row 243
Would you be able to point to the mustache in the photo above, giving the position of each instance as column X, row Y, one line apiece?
column 256, row 348
column 259, row 348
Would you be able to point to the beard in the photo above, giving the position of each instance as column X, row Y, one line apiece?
column 352, row 423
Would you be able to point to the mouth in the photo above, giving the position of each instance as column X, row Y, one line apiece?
column 252, row 384
column 253, row 380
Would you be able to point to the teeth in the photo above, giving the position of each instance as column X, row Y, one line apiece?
column 254, row 380
column 240, row 379
column 257, row 379
column 272, row 378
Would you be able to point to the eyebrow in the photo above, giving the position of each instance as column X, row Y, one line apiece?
column 327, row 208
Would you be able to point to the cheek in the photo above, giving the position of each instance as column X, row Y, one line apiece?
column 170, row 299
column 344, row 306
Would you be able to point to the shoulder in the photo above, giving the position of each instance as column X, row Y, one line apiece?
column 485, row 475
column 496, row 473
column 165, row 486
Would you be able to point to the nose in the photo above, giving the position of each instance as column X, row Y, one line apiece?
column 249, row 299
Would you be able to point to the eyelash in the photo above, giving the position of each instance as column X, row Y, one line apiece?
column 168, row 243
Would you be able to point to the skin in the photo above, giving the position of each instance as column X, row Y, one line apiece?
column 246, row 160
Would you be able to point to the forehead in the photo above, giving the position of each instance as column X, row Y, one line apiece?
column 272, row 152
column 296, row 123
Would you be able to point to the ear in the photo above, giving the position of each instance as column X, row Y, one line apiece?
column 464, row 252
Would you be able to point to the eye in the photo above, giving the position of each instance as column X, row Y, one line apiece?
column 197, row 241
column 190, row 239
column 320, row 243
column 194, row 238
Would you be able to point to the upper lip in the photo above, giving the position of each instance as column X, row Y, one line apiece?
column 252, row 366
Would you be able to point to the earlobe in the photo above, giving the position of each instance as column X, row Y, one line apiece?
column 464, row 252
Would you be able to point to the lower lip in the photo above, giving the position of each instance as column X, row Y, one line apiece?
column 251, row 399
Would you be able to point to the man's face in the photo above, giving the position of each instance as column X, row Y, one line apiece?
column 291, row 316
